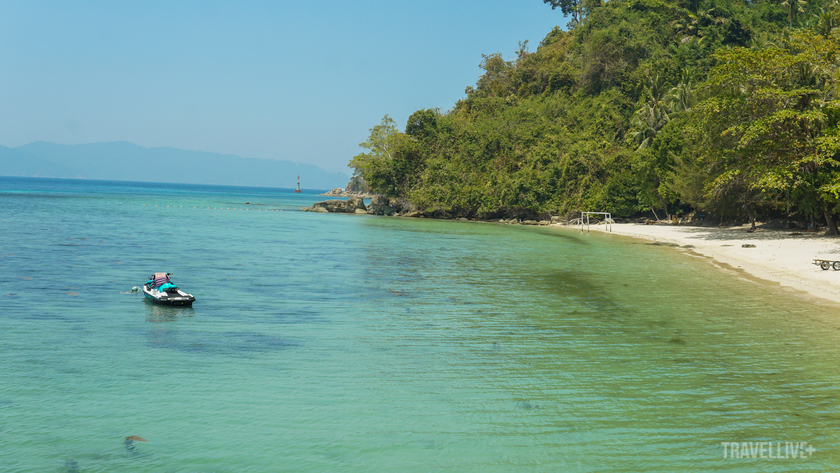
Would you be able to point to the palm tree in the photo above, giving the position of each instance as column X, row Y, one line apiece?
column 648, row 121
column 693, row 24
column 662, row 105
column 792, row 7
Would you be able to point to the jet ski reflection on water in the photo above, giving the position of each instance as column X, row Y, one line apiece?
column 160, row 290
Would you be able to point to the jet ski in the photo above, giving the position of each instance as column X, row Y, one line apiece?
column 160, row 290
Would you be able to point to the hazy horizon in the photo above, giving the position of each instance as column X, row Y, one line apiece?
column 297, row 82
column 346, row 171
column 126, row 161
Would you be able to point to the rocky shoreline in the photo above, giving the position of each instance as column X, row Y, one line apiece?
column 339, row 192
column 381, row 205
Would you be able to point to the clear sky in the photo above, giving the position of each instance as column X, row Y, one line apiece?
column 295, row 80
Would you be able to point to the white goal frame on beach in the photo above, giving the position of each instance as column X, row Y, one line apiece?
column 607, row 219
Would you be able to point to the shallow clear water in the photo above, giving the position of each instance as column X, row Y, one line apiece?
column 323, row 342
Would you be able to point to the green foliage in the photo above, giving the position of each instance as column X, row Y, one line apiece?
column 793, row 8
column 771, row 128
column 576, row 9
column 663, row 104
column 422, row 124
column 358, row 183
column 388, row 166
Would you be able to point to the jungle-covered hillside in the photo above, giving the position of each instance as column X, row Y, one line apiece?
column 724, row 106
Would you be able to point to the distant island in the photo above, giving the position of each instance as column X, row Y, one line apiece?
column 123, row 161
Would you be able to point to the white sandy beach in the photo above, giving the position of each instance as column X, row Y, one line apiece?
column 781, row 258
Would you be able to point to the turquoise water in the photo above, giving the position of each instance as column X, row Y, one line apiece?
column 323, row 342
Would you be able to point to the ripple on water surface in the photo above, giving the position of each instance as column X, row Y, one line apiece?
column 351, row 343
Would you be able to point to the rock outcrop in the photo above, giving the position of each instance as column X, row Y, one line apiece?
column 339, row 192
column 381, row 205
column 351, row 205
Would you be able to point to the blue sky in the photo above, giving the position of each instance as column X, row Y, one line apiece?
column 301, row 81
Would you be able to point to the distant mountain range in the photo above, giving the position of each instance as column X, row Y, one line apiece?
column 123, row 161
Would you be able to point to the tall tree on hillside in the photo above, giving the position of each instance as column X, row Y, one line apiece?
column 393, row 160
column 654, row 113
column 577, row 9
column 697, row 24
column 374, row 166
column 422, row 124
column 793, row 7
column 496, row 80
column 568, row 7
column 655, row 157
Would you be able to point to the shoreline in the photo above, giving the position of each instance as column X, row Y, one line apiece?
column 780, row 258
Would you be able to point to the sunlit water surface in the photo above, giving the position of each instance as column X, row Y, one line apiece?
column 324, row 342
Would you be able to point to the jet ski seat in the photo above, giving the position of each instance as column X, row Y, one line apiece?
column 159, row 279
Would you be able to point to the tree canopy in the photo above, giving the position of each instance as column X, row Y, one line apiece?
column 727, row 106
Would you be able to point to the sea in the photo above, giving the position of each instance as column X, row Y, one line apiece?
column 355, row 343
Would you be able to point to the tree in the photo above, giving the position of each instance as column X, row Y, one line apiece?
column 771, row 126
column 393, row 161
column 374, row 165
column 696, row 24
column 827, row 21
column 568, row 7
column 654, row 114
column 577, row 9
column 422, row 124
column 495, row 81
column 793, row 7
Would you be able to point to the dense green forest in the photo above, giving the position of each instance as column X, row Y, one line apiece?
column 726, row 107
